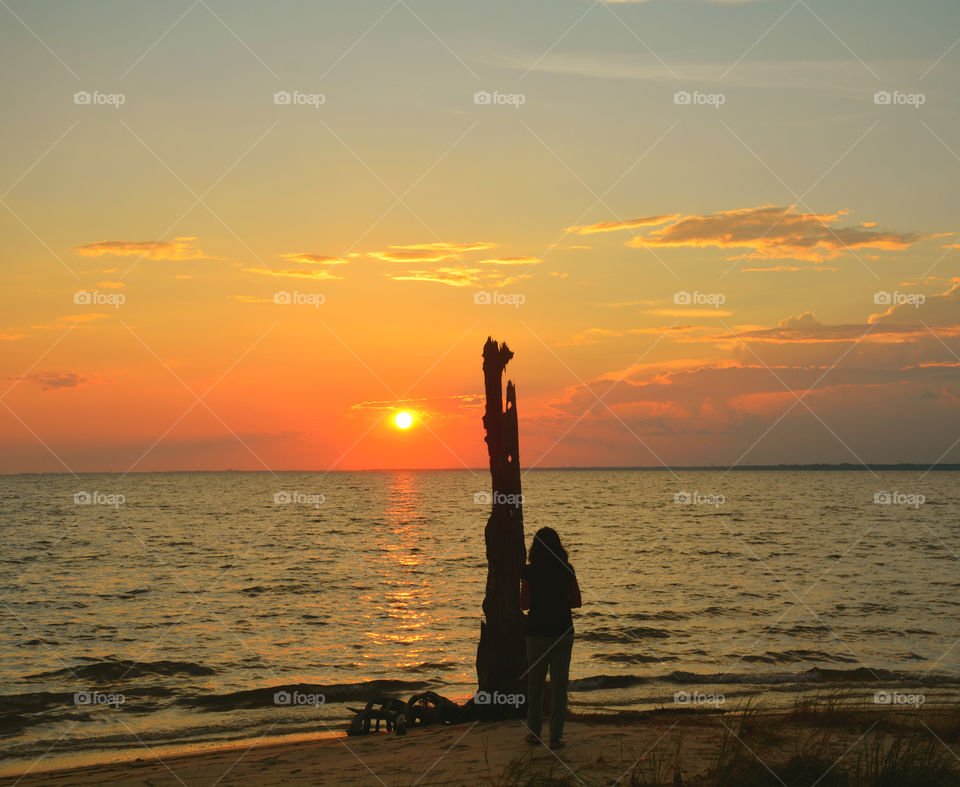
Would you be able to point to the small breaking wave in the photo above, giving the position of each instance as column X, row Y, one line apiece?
column 122, row 669
column 808, row 679
column 264, row 697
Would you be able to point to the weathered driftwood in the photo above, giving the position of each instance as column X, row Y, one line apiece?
column 420, row 710
column 430, row 708
column 392, row 711
column 501, row 653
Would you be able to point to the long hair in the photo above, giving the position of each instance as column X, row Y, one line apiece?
column 547, row 553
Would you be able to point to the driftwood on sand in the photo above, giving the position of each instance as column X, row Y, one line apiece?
column 420, row 710
column 501, row 655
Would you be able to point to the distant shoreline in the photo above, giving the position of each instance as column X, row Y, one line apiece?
column 846, row 467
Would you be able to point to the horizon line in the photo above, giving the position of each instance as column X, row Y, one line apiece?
column 842, row 466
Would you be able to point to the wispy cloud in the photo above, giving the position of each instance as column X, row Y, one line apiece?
column 53, row 381
column 454, row 277
column 313, row 259
column 91, row 317
column 629, row 224
column 177, row 250
column 428, row 252
column 774, row 232
column 297, row 273
column 460, row 276
column 941, row 309
column 511, row 261
column 685, row 312
column 478, row 273
column 250, row 299
column 435, row 406
column 789, row 268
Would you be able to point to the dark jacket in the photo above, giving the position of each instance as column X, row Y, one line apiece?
column 552, row 593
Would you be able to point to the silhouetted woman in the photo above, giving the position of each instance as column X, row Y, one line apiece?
column 549, row 589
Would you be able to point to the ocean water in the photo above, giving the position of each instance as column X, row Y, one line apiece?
column 171, row 608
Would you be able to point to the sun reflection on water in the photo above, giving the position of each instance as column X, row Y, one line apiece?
column 402, row 602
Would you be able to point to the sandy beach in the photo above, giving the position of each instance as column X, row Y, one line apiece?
column 807, row 743
column 466, row 754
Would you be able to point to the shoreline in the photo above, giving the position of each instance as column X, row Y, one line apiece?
column 635, row 747
column 487, row 748
column 851, row 697
column 99, row 758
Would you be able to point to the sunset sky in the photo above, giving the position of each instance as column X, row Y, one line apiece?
column 199, row 277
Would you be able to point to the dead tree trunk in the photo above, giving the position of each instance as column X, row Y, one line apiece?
column 501, row 654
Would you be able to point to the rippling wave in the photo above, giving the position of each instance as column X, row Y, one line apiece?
column 200, row 599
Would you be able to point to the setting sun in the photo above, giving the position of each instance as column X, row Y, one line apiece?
column 403, row 420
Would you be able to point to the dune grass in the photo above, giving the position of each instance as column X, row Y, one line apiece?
column 825, row 740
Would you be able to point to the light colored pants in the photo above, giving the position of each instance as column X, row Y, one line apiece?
column 544, row 652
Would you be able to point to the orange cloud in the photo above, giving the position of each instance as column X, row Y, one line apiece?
column 428, row 252
column 511, row 261
column 313, row 259
column 83, row 317
column 52, row 381
column 437, row 405
column 679, row 333
column 610, row 226
column 789, row 268
column 685, row 312
column 176, row 250
column 806, row 329
column 452, row 247
column 774, row 232
column 454, row 277
column 461, row 276
column 410, row 255
column 297, row 273
column 940, row 309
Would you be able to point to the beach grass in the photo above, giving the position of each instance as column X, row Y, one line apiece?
column 824, row 740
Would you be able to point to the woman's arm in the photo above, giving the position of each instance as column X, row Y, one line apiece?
column 575, row 600
column 524, row 594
